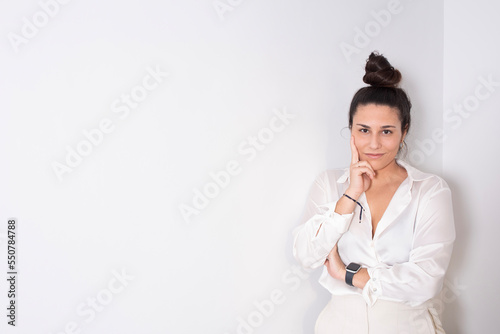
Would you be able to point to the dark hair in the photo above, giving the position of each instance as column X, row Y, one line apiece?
column 383, row 90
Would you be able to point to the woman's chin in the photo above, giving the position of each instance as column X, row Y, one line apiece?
column 379, row 164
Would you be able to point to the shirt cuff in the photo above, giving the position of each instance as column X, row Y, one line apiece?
column 333, row 225
column 373, row 288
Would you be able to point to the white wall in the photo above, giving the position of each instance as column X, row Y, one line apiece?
column 222, row 79
column 469, row 160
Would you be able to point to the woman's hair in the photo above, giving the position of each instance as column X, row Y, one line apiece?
column 383, row 90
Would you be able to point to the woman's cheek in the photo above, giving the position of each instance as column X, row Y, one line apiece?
column 359, row 141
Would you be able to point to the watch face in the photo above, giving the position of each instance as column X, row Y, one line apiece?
column 353, row 266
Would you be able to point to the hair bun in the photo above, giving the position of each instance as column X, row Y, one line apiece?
column 380, row 73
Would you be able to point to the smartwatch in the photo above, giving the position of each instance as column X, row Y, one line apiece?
column 351, row 269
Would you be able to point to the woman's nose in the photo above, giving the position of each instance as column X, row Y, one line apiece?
column 375, row 142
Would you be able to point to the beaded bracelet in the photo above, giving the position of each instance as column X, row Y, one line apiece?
column 360, row 211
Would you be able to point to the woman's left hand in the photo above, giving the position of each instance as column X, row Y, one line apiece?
column 335, row 266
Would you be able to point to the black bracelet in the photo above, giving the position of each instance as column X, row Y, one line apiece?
column 360, row 211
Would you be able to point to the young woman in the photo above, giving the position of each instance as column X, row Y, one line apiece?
column 382, row 230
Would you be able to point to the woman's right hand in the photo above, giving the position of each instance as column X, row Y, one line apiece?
column 361, row 173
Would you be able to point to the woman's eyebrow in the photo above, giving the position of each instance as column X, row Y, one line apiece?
column 365, row 126
column 383, row 126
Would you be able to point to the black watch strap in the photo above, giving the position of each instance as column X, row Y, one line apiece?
column 351, row 269
column 348, row 277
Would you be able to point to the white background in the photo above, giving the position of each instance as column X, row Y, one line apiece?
column 227, row 269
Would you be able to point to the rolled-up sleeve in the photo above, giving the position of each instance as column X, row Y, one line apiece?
column 421, row 278
column 321, row 226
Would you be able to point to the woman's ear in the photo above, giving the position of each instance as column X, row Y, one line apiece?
column 405, row 131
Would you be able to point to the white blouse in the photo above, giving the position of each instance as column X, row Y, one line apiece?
column 410, row 251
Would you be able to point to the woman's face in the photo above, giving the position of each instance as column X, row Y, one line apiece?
column 377, row 134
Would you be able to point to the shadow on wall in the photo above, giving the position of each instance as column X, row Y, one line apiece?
column 451, row 307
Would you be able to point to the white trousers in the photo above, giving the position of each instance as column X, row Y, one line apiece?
column 350, row 315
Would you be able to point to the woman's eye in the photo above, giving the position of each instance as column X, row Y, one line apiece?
column 363, row 130
column 387, row 132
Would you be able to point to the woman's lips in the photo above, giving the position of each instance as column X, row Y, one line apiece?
column 374, row 156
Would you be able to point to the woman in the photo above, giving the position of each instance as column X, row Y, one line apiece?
column 382, row 229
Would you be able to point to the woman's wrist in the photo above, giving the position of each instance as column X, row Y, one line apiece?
column 353, row 194
column 342, row 275
column 361, row 278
